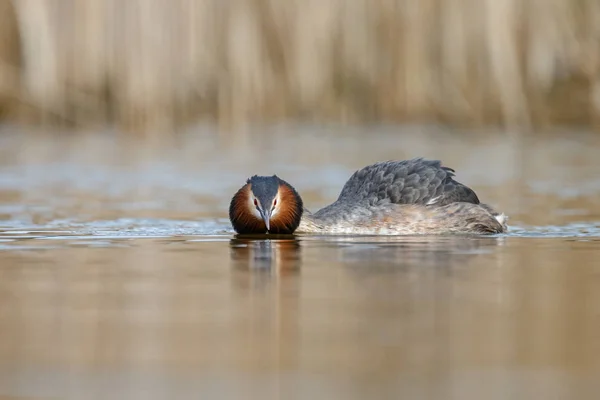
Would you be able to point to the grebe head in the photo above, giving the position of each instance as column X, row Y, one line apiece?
column 265, row 204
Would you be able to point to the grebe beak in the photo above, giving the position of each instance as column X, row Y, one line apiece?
column 266, row 216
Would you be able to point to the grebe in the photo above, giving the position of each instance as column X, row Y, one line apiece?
column 408, row 197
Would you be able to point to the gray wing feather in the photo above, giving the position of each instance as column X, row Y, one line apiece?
column 416, row 181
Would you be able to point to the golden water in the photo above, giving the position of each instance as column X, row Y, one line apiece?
column 120, row 276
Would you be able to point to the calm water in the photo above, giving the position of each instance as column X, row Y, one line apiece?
column 120, row 276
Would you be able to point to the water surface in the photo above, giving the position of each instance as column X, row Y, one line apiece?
column 120, row 276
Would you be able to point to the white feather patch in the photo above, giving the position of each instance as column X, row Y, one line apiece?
column 253, row 208
column 433, row 200
column 501, row 218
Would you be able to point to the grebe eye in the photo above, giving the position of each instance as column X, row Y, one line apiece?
column 256, row 202
column 274, row 202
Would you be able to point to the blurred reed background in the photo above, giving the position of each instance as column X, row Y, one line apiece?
column 155, row 63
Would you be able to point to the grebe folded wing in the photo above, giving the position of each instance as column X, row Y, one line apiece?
column 415, row 181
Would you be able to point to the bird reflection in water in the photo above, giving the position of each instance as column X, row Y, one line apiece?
column 397, row 254
column 266, row 254
column 422, row 268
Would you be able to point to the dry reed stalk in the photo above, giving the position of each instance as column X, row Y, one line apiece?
column 9, row 57
column 165, row 63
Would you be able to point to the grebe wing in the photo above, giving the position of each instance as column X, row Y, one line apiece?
column 415, row 181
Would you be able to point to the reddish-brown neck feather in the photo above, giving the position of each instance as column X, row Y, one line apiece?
column 288, row 217
column 241, row 217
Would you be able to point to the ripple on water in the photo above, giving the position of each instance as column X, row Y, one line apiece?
column 128, row 227
column 576, row 230
column 102, row 233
